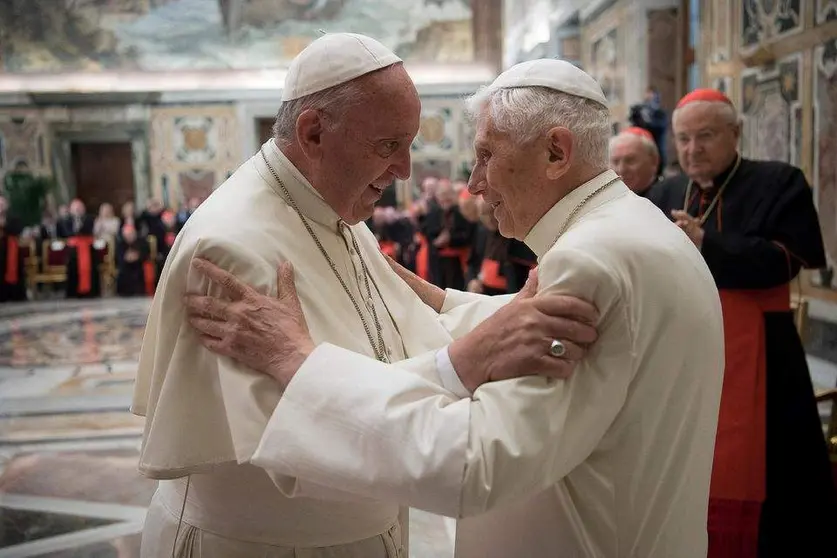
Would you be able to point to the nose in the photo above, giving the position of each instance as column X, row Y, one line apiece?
column 476, row 182
column 402, row 166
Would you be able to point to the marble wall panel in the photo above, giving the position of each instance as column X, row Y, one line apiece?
column 767, row 21
column 23, row 138
column 769, row 110
column 193, row 150
column 825, row 152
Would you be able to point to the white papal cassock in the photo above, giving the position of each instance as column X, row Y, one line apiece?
column 614, row 462
column 206, row 415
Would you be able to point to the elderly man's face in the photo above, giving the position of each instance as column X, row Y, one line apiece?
column 503, row 172
column 360, row 157
column 635, row 161
column 706, row 141
column 77, row 208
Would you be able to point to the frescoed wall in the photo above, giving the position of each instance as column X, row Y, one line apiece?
column 166, row 35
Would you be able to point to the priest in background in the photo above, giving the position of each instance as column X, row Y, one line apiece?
column 83, row 279
column 757, row 228
column 12, row 265
column 613, row 461
column 302, row 198
column 634, row 157
column 132, row 273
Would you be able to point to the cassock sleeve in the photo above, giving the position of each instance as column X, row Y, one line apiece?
column 463, row 311
column 348, row 421
column 789, row 240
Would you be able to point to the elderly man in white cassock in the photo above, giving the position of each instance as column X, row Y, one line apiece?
column 613, row 461
column 344, row 130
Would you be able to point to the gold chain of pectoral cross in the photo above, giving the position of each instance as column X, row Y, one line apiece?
column 380, row 346
column 581, row 204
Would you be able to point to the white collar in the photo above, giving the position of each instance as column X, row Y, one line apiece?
column 310, row 202
column 542, row 236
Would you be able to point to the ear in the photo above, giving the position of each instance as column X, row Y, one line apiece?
column 309, row 130
column 560, row 151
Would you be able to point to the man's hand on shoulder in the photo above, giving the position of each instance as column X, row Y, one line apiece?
column 517, row 340
column 265, row 333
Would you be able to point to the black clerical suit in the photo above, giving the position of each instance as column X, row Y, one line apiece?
column 763, row 230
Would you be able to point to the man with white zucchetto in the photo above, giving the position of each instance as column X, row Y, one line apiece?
column 613, row 461
column 348, row 116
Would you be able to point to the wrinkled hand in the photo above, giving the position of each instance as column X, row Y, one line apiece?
column 265, row 333
column 690, row 225
column 429, row 293
column 515, row 341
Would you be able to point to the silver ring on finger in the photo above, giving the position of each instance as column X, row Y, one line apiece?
column 557, row 349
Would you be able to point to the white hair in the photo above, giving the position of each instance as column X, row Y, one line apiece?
column 649, row 145
column 335, row 101
column 725, row 110
column 528, row 112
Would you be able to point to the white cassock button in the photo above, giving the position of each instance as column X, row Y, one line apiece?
column 352, row 251
column 369, row 302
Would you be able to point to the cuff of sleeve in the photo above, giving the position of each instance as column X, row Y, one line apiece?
column 454, row 298
column 450, row 379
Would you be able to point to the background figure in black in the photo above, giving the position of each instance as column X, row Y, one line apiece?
column 185, row 212
column 650, row 116
column 131, row 255
column 488, row 261
column 449, row 237
column 520, row 262
column 12, row 270
column 83, row 280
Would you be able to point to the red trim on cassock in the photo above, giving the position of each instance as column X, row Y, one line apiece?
column 491, row 276
column 423, row 258
column 461, row 253
column 84, row 261
column 739, row 471
column 12, row 275
column 149, row 275
column 170, row 236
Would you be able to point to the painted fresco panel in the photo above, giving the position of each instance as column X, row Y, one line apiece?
column 164, row 35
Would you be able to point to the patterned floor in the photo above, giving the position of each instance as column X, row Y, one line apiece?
column 68, row 445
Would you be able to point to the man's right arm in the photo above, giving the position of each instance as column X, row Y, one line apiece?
column 377, row 430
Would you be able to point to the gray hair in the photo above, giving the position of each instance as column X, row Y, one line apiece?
column 334, row 101
column 649, row 145
column 528, row 112
column 726, row 111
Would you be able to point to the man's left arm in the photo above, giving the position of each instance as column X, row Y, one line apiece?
column 377, row 430
column 792, row 240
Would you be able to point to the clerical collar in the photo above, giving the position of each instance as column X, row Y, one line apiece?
column 542, row 236
column 309, row 200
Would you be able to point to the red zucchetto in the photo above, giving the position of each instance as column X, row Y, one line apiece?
column 711, row 95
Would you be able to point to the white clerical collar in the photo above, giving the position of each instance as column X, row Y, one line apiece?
column 542, row 236
column 310, row 202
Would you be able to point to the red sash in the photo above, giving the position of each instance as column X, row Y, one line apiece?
column 84, row 261
column 388, row 248
column 739, row 471
column 461, row 253
column 170, row 239
column 12, row 253
column 422, row 258
column 149, row 274
column 491, row 277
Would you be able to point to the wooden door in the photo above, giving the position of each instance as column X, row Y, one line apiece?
column 104, row 172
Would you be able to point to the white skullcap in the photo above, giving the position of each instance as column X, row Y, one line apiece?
column 559, row 75
column 333, row 59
